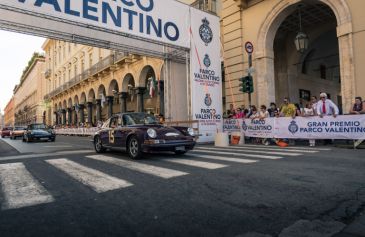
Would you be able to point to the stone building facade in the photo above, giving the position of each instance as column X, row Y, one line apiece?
column 29, row 106
column 332, row 62
column 8, row 119
column 88, row 84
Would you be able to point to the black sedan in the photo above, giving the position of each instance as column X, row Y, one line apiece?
column 39, row 132
column 137, row 133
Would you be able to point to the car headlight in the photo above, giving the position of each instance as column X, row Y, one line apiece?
column 191, row 132
column 152, row 133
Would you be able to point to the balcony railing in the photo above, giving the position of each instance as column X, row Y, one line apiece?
column 88, row 73
column 206, row 5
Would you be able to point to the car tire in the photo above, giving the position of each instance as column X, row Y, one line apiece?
column 98, row 145
column 180, row 152
column 53, row 140
column 134, row 148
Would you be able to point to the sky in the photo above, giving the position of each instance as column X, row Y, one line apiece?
column 15, row 50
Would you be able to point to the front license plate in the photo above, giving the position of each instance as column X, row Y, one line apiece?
column 180, row 148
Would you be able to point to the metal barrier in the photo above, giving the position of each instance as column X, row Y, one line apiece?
column 76, row 131
column 91, row 131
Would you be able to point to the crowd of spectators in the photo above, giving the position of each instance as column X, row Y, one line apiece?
column 322, row 107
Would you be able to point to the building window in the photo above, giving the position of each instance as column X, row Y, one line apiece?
column 323, row 70
column 90, row 60
column 69, row 74
column 82, row 65
column 75, row 70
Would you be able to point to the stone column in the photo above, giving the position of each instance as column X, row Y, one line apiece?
column 63, row 111
column 162, row 98
column 69, row 116
column 140, row 104
column 75, row 116
column 110, row 100
column 82, row 113
column 123, row 101
column 56, row 120
column 98, row 110
column 90, row 113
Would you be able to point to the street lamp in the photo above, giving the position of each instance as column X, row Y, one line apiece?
column 301, row 40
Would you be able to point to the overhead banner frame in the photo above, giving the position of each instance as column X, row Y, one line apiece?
column 138, row 27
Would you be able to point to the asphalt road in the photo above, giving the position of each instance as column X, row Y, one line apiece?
column 63, row 189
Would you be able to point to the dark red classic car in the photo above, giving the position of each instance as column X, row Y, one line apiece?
column 137, row 133
column 5, row 132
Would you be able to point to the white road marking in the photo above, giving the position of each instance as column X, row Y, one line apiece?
column 58, row 146
column 240, row 155
column 143, row 168
column 200, row 164
column 98, row 181
column 252, row 151
column 263, row 148
column 42, row 155
column 236, row 160
column 288, row 148
column 20, row 188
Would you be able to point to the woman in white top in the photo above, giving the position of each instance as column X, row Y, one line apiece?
column 310, row 110
column 263, row 112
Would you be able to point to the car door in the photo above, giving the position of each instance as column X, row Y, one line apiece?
column 104, row 133
column 113, row 132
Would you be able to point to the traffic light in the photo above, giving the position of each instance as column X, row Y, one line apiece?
column 247, row 84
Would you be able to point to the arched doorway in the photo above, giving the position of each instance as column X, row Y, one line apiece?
column 112, row 98
column 128, row 95
column 101, row 104
column 277, row 65
column 149, row 87
column 300, row 75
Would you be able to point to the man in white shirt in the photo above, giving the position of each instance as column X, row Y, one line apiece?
column 326, row 107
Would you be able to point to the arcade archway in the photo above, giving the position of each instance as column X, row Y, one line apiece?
column 274, row 26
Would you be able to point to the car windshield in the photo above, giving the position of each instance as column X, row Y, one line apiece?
column 38, row 126
column 139, row 119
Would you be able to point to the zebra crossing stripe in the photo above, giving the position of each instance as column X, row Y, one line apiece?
column 288, row 148
column 98, row 181
column 199, row 164
column 236, row 160
column 139, row 167
column 251, row 151
column 239, row 154
column 262, row 148
column 20, row 188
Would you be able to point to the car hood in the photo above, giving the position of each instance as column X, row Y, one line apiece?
column 40, row 131
column 166, row 133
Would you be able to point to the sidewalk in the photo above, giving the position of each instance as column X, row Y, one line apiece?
column 6, row 149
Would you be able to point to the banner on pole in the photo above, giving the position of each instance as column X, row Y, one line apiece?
column 205, row 67
column 342, row 127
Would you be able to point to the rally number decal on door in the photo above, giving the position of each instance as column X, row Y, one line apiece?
column 111, row 137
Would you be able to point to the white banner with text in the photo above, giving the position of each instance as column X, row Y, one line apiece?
column 342, row 127
column 206, row 80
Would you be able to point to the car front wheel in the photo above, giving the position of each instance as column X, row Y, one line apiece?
column 134, row 148
column 98, row 145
